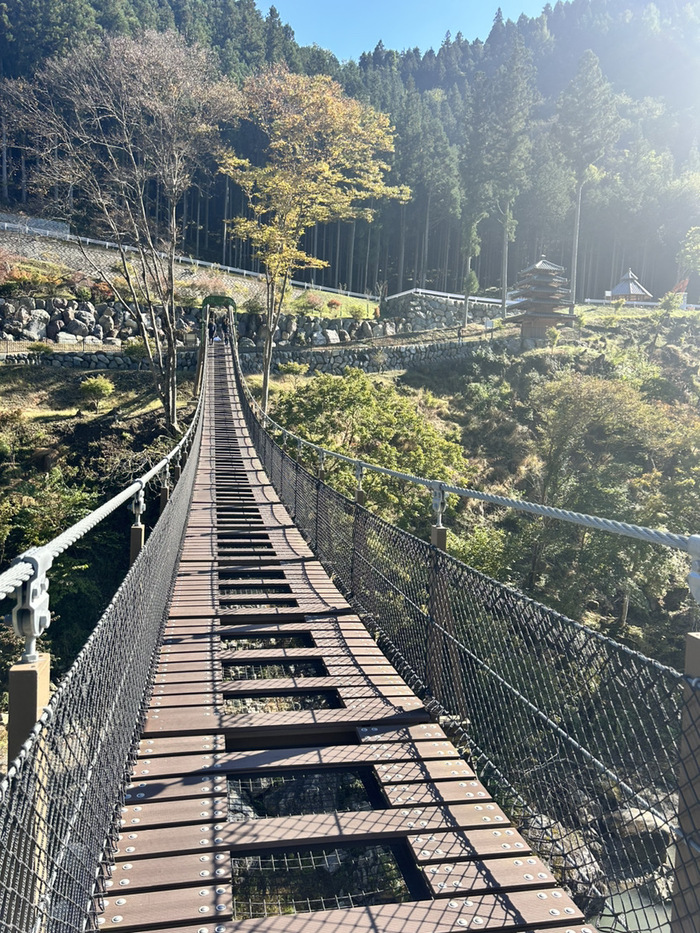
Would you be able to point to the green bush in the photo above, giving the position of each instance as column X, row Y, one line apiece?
column 135, row 349
column 45, row 349
column 95, row 389
column 254, row 305
column 356, row 311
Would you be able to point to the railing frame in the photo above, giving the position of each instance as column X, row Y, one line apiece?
column 28, row 581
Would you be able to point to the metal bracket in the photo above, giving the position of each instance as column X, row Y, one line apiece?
column 31, row 615
column 359, row 473
column 439, row 503
column 138, row 505
column 165, row 476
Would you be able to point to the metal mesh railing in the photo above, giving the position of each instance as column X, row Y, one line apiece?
column 577, row 736
column 60, row 802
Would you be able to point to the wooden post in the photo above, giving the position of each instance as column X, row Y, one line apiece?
column 29, row 689
column 360, row 496
column 164, row 497
column 685, row 917
column 438, row 537
column 136, row 540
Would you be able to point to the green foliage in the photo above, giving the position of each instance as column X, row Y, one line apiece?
column 373, row 421
column 356, row 310
column 96, row 389
column 295, row 370
column 136, row 349
column 471, row 286
column 483, row 548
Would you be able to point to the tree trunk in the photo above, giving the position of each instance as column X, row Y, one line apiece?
column 351, row 257
column 223, row 245
column 337, row 256
column 199, row 225
column 402, row 248
column 367, row 253
column 206, row 218
column 5, row 187
column 504, row 259
column 426, row 238
column 574, row 251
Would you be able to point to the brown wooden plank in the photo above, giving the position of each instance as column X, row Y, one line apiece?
column 425, row 794
column 169, row 872
column 400, row 772
column 475, row 877
column 211, row 761
column 435, row 847
column 173, row 812
column 138, row 911
column 331, row 828
column 497, row 913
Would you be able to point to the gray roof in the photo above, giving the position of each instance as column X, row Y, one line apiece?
column 630, row 286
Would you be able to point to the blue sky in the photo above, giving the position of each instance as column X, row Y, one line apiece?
column 350, row 27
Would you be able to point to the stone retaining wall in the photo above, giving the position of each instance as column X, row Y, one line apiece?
column 186, row 360
column 335, row 360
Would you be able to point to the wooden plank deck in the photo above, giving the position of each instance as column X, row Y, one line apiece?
column 251, row 600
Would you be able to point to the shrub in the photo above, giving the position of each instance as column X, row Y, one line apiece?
column 45, row 349
column 254, row 305
column 334, row 304
column 135, row 349
column 356, row 311
column 95, row 389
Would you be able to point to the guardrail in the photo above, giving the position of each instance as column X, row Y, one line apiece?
column 60, row 803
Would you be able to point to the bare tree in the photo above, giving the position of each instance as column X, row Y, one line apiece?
column 117, row 131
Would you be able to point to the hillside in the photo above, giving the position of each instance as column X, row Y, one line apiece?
column 603, row 421
column 481, row 128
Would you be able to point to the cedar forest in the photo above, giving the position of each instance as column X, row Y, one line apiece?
column 592, row 102
column 487, row 133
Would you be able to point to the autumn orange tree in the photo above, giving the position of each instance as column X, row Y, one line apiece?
column 324, row 158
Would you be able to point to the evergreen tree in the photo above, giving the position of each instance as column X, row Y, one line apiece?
column 587, row 126
column 511, row 97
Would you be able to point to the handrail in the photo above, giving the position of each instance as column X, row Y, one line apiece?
column 687, row 543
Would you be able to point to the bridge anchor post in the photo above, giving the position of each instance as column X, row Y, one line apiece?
column 29, row 692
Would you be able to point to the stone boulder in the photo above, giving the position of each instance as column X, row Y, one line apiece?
column 54, row 327
column 331, row 336
column 77, row 328
column 35, row 326
column 645, row 836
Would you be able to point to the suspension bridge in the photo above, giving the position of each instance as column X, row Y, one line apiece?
column 234, row 749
